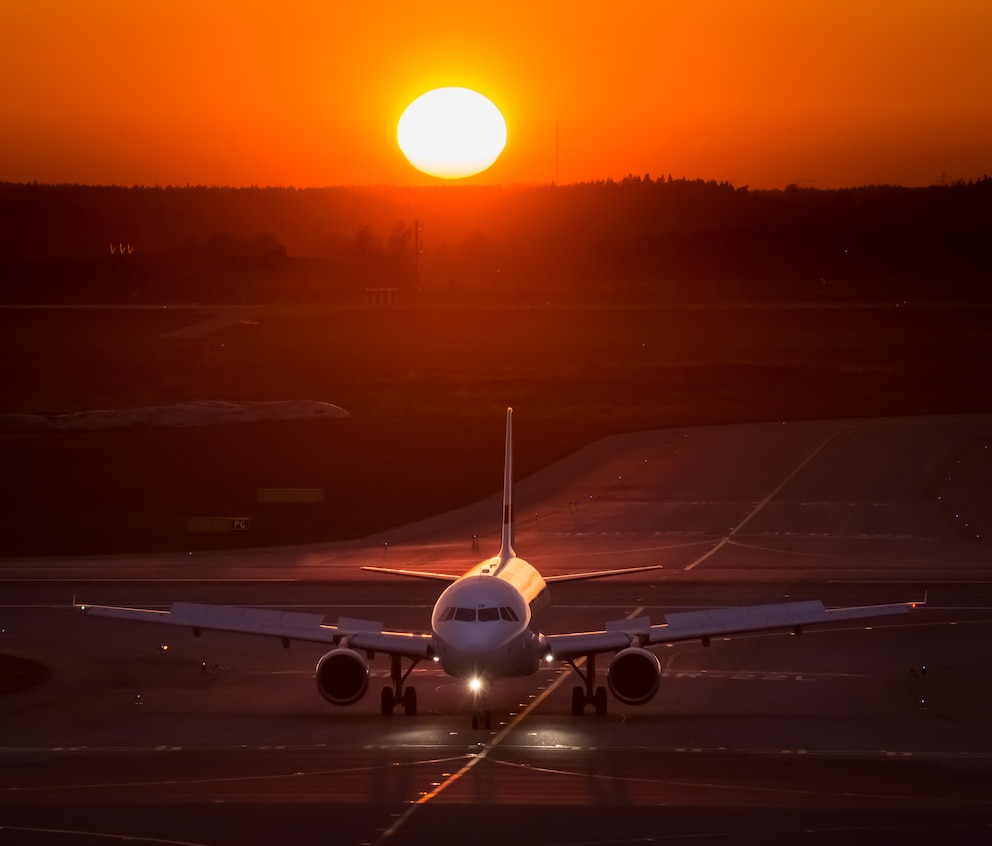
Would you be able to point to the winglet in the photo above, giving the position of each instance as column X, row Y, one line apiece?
column 506, row 544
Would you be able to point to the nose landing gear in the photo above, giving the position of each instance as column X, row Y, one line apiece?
column 482, row 717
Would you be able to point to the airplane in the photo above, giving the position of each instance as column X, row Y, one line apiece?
column 484, row 628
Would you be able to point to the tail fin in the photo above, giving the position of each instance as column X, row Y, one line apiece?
column 506, row 551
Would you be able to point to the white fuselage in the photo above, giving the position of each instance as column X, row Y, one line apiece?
column 481, row 624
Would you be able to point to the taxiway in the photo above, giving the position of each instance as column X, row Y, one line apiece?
column 866, row 732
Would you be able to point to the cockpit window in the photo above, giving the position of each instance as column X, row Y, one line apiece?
column 485, row 615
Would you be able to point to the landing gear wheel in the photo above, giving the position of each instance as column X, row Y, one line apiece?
column 600, row 701
column 578, row 701
column 388, row 702
column 482, row 720
column 410, row 702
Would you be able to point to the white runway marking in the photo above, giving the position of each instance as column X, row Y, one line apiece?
column 760, row 505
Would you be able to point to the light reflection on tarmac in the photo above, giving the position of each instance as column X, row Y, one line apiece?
column 827, row 736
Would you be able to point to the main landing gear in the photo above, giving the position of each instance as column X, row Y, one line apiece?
column 587, row 693
column 397, row 694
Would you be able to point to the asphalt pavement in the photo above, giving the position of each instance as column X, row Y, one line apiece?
column 864, row 732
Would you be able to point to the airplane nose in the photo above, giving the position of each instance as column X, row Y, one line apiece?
column 464, row 650
column 470, row 637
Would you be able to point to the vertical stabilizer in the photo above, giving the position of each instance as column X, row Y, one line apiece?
column 506, row 544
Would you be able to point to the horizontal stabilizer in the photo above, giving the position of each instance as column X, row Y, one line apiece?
column 414, row 574
column 601, row 574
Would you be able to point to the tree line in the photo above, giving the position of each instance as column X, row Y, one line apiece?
column 640, row 237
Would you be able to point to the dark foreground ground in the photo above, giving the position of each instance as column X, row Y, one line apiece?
column 426, row 389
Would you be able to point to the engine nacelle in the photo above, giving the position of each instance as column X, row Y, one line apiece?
column 342, row 676
column 634, row 675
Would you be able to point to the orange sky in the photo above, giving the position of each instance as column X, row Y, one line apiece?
column 762, row 93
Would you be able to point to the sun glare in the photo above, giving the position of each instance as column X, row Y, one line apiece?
column 451, row 133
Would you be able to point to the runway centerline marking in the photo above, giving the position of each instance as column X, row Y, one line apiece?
column 759, row 506
column 499, row 738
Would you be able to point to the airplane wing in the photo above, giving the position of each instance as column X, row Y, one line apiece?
column 717, row 622
column 285, row 625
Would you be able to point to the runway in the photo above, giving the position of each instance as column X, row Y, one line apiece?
column 859, row 733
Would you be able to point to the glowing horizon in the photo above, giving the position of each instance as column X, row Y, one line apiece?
column 764, row 94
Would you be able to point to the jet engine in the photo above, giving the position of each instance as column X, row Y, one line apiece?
column 342, row 676
column 634, row 675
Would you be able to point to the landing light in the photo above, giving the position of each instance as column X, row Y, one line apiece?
column 475, row 685
column 549, row 657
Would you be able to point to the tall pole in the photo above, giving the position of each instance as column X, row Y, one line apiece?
column 556, row 152
column 416, row 255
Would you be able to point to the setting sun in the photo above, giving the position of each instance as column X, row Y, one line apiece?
column 451, row 133
column 242, row 92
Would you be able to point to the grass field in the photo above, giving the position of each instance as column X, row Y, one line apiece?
column 426, row 389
